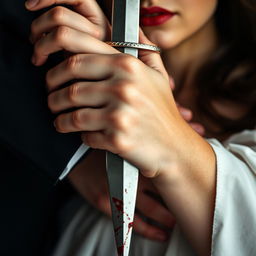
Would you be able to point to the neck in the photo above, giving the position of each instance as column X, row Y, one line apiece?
column 183, row 61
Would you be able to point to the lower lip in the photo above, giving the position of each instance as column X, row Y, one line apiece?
column 155, row 20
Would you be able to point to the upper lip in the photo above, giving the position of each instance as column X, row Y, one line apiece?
column 154, row 9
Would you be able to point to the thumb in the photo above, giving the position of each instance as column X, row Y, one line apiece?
column 150, row 58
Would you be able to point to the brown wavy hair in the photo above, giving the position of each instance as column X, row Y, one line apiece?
column 229, row 74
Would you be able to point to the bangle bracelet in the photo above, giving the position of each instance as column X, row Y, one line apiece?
column 147, row 47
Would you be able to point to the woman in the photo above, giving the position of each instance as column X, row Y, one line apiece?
column 211, row 68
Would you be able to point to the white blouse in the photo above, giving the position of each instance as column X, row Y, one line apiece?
column 234, row 227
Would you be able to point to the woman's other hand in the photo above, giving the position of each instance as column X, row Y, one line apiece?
column 90, row 179
column 187, row 114
column 86, row 17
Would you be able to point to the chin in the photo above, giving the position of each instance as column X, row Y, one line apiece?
column 163, row 39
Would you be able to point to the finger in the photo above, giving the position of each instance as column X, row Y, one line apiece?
column 85, row 119
column 149, row 231
column 80, row 94
column 61, row 16
column 88, row 8
column 151, row 59
column 102, row 140
column 154, row 210
column 172, row 83
column 80, row 66
column 65, row 38
column 185, row 113
column 198, row 128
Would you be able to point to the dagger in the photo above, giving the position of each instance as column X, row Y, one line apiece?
column 122, row 176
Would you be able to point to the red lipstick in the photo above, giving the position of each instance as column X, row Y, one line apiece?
column 154, row 16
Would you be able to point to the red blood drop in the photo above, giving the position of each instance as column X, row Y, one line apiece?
column 130, row 225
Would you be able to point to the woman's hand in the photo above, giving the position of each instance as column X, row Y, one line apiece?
column 91, row 21
column 123, row 105
column 90, row 179
column 187, row 114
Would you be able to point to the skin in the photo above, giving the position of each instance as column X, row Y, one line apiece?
column 138, row 121
column 191, row 17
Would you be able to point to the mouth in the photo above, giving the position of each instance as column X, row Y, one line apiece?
column 154, row 16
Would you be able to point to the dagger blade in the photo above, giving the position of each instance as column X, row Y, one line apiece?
column 122, row 176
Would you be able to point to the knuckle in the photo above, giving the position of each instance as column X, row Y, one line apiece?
column 72, row 64
column 113, row 117
column 57, row 14
column 61, row 34
column 124, row 91
column 88, row 139
column 119, row 143
column 119, row 121
column 73, row 92
column 77, row 119
column 127, row 62
column 97, row 33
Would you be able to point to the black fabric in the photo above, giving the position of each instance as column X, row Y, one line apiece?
column 26, row 122
column 29, row 208
column 31, row 150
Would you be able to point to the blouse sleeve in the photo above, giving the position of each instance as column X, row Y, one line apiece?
column 234, row 225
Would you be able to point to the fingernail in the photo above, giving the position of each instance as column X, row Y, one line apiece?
column 31, row 3
column 161, row 236
column 185, row 112
column 199, row 129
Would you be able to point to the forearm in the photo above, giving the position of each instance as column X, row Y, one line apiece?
column 189, row 192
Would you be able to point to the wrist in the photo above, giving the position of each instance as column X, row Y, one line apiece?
column 194, row 159
column 188, row 186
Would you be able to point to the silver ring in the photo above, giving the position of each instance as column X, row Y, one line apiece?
column 148, row 47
